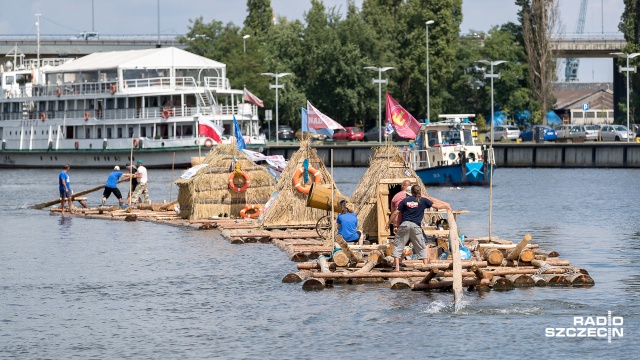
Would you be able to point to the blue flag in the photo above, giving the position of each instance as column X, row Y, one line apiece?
column 305, row 126
column 238, row 135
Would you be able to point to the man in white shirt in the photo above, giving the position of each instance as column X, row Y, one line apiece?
column 141, row 188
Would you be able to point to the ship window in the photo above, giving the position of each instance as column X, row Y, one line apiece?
column 143, row 131
column 108, row 133
column 121, row 103
column 119, row 133
column 88, row 134
column 99, row 131
column 9, row 80
column 130, row 132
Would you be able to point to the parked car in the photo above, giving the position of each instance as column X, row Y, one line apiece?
column 592, row 132
column 500, row 132
column 373, row 135
column 529, row 133
column 350, row 133
column 285, row 132
column 615, row 133
column 310, row 135
column 85, row 35
column 569, row 131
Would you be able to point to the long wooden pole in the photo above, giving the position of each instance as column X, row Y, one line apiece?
column 454, row 245
column 173, row 164
column 57, row 201
column 131, row 172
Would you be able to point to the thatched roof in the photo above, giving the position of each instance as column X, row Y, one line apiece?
column 387, row 164
column 208, row 194
column 288, row 207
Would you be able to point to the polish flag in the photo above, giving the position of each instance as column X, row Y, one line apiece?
column 249, row 97
column 209, row 129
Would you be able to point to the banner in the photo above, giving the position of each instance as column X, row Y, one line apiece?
column 317, row 120
column 307, row 128
column 277, row 161
column 238, row 135
column 249, row 97
column 209, row 129
column 404, row 123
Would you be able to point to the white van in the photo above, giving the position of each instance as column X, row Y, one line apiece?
column 85, row 35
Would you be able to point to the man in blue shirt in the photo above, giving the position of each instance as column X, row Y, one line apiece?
column 112, row 186
column 348, row 223
column 64, row 185
column 412, row 209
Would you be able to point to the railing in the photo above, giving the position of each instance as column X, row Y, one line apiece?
column 217, row 83
column 419, row 159
column 588, row 36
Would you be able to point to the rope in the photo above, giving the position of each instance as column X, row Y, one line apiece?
column 305, row 165
column 238, row 167
column 570, row 270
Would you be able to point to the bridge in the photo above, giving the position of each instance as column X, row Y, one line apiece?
column 598, row 45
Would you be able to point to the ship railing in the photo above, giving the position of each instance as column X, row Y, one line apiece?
column 217, row 83
column 419, row 159
column 240, row 109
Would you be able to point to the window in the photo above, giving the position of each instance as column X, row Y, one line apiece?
column 143, row 131
column 119, row 133
column 108, row 133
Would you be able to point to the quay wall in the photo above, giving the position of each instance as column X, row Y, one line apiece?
column 560, row 155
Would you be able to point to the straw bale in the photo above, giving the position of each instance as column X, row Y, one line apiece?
column 387, row 163
column 207, row 193
column 289, row 207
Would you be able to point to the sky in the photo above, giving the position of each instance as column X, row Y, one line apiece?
column 110, row 17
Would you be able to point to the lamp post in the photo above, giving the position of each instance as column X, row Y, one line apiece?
column 244, row 43
column 491, row 75
column 427, row 37
column 276, row 86
column 379, row 81
column 627, row 69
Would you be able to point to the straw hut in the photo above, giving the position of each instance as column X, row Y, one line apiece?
column 288, row 207
column 372, row 197
column 208, row 193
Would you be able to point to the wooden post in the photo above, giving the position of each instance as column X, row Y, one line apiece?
column 454, row 241
column 399, row 283
column 493, row 256
column 296, row 277
column 521, row 280
column 521, row 245
column 317, row 283
column 501, row 283
column 354, row 257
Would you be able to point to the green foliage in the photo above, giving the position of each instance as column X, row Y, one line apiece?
column 259, row 18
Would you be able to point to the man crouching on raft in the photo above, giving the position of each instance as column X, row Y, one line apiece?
column 412, row 209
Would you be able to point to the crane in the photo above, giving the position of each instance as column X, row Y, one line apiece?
column 572, row 64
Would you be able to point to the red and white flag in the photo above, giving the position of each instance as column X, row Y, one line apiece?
column 249, row 97
column 404, row 123
column 209, row 129
column 317, row 120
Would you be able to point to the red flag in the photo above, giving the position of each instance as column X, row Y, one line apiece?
column 405, row 124
column 249, row 97
column 209, row 129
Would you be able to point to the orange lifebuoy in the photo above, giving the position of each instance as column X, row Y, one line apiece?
column 86, row 116
column 113, row 89
column 43, row 116
column 58, row 92
column 244, row 187
column 208, row 142
column 255, row 214
column 135, row 143
column 76, row 145
column 298, row 184
column 166, row 113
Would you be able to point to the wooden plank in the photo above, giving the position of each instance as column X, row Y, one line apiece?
column 457, row 262
column 382, row 207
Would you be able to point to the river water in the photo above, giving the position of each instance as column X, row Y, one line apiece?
column 74, row 287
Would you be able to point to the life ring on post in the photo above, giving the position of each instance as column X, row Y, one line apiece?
column 208, row 142
column 76, row 145
column 86, row 116
column 135, row 143
column 298, row 183
column 43, row 116
column 166, row 113
column 113, row 88
column 58, row 92
column 253, row 215
column 244, row 187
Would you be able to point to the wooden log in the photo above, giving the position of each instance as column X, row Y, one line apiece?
column 353, row 256
column 547, row 253
column 521, row 280
column 476, row 270
column 377, row 256
column 538, row 281
column 296, row 277
column 340, row 258
column 446, row 283
column 506, row 247
column 237, row 241
column 521, row 245
column 399, row 284
column 226, row 234
column 530, row 271
column 555, row 280
column 296, row 256
column 73, row 196
column 493, row 256
column 527, row 255
column 540, row 257
column 501, row 283
column 297, row 234
column 383, row 275
column 580, row 280
column 313, row 283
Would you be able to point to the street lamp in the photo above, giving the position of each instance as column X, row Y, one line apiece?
column 276, row 86
column 427, row 36
column 627, row 70
column 244, row 43
column 379, row 81
column 491, row 75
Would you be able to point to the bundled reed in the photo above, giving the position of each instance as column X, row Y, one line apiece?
column 208, row 194
column 387, row 163
column 288, row 206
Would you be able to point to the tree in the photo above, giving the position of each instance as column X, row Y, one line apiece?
column 538, row 23
column 259, row 17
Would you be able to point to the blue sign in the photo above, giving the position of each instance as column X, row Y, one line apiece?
column 585, row 107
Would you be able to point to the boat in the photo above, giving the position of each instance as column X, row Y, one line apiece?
column 94, row 110
column 446, row 153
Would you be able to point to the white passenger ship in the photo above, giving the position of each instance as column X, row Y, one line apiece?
column 91, row 111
